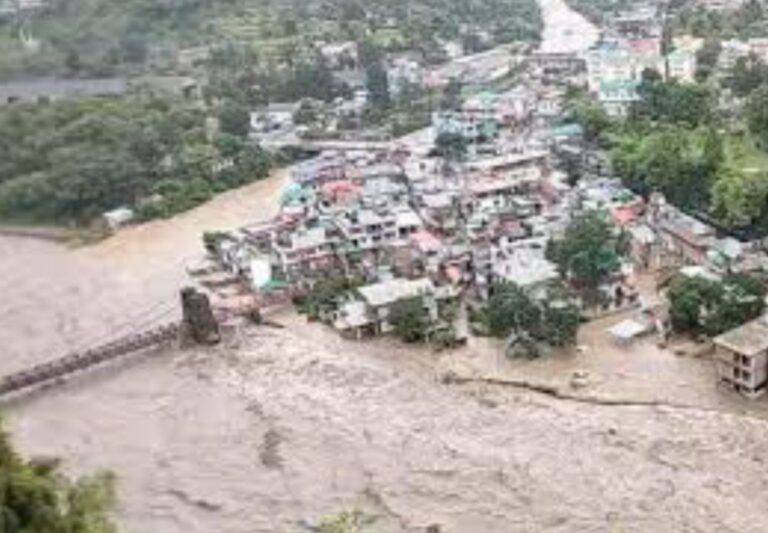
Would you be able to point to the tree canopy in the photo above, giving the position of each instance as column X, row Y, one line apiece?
column 410, row 319
column 673, row 103
column 511, row 310
column 36, row 498
column 701, row 305
column 71, row 161
column 589, row 252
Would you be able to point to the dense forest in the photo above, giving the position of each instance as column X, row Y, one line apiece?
column 107, row 37
column 745, row 21
column 70, row 161
column 676, row 141
column 597, row 10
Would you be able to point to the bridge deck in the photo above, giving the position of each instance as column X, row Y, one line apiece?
column 76, row 362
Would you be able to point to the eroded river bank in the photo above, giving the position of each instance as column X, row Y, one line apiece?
column 282, row 427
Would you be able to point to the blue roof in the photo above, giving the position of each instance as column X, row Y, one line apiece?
column 568, row 130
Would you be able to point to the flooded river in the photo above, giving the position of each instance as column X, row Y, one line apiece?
column 565, row 30
column 284, row 426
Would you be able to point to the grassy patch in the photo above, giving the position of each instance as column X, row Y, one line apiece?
column 742, row 152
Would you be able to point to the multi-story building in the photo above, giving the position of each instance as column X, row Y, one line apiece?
column 614, row 69
column 681, row 66
column 372, row 228
column 741, row 358
column 608, row 63
column 730, row 52
column 306, row 252
column 617, row 96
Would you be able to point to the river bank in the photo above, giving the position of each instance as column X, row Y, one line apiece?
column 278, row 428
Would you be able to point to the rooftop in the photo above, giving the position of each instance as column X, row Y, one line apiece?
column 749, row 339
column 390, row 291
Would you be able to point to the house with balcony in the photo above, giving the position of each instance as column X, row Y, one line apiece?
column 307, row 252
column 617, row 96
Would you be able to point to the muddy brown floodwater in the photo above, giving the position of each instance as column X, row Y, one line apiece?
column 285, row 426
column 281, row 427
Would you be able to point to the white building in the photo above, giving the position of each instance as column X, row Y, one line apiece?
column 741, row 358
column 380, row 297
column 277, row 116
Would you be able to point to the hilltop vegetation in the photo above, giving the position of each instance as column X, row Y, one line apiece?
column 596, row 10
column 70, row 161
column 744, row 21
column 676, row 141
column 36, row 498
column 105, row 37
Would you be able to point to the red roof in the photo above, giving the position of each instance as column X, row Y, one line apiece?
column 340, row 190
column 626, row 214
column 644, row 46
column 426, row 241
column 453, row 273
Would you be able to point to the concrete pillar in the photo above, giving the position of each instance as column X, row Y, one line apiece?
column 198, row 319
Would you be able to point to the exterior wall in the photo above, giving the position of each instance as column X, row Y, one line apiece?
column 748, row 375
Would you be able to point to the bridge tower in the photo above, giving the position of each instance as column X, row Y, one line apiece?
column 198, row 320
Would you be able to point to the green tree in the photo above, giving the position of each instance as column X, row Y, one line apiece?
column 254, row 162
column 739, row 197
column 560, row 323
column 589, row 252
column 689, row 298
column 757, row 115
column 511, row 310
column 228, row 145
column 592, row 117
column 36, row 498
column 742, row 300
column 451, row 146
column 701, row 305
column 452, row 95
column 234, row 118
column 674, row 103
column 706, row 59
column 377, row 83
column 678, row 162
column 410, row 319
column 748, row 74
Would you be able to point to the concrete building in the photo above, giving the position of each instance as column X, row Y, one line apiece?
column 276, row 116
column 380, row 297
column 684, row 238
column 741, row 358
column 617, row 96
column 681, row 66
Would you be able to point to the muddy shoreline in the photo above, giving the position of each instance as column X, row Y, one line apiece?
column 279, row 427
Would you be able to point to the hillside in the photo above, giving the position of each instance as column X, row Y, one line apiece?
column 107, row 37
column 595, row 10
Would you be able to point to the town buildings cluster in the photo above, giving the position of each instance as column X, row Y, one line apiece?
column 405, row 223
